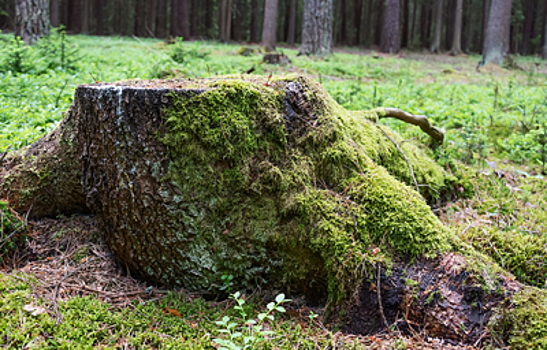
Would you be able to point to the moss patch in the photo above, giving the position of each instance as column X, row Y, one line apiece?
column 269, row 168
column 522, row 320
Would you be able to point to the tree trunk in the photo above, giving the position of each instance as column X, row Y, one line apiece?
column 291, row 34
column 222, row 20
column 161, row 19
column 31, row 20
column 390, row 31
column 531, row 8
column 406, row 24
column 184, row 19
column 254, row 21
column 174, row 30
column 544, row 54
column 485, row 12
column 194, row 23
column 317, row 28
column 54, row 10
column 269, row 26
column 85, row 16
column 151, row 17
column 380, row 13
column 343, row 39
column 436, row 46
column 99, row 17
column 229, row 11
column 457, row 35
column 75, row 16
column 496, row 43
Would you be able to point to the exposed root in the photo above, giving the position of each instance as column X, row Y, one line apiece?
column 419, row 120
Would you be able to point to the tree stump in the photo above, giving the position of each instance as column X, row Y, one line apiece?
column 268, row 180
column 276, row 58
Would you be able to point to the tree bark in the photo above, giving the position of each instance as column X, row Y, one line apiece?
column 99, row 20
column 457, row 35
column 485, row 13
column 222, row 20
column 151, row 17
column 291, row 34
column 174, row 30
column 436, row 46
column 390, row 31
column 254, row 21
column 529, row 18
column 195, row 11
column 31, row 20
column 544, row 53
column 496, row 43
column 380, row 13
column 269, row 25
column 317, row 28
column 405, row 25
column 54, row 10
column 184, row 19
column 85, row 16
column 161, row 19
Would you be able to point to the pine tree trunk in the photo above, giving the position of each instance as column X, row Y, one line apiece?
column 269, row 26
column 99, row 30
column 85, row 16
column 291, row 34
column 151, row 17
column 406, row 21
column 254, row 21
column 496, row 43
column 317, row 28
column 457, row 35
column 174, row 30
column 161, row 19
column 380, row 13
column 390, row 31
column 222, row 20
column 544, row 54
column 54, row 10
column 485, row 12
column 436, row 46
column 531, row 7
column 31, row 19
column 184, row 18
column 229, row 11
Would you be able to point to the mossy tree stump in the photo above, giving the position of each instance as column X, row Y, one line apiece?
column 268, row 180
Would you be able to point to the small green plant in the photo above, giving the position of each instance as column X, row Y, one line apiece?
column 227, row 282
column 58, row 51
column 182, row 53
column 16, row 57
column 248, row 333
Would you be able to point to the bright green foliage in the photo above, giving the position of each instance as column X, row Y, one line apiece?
column 258, row 181
column 522, row 320
column 181, row 53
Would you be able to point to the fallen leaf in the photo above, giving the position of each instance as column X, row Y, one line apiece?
column 34, row 310
column 172, row 312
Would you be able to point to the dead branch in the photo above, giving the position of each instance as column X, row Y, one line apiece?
column 418, row 120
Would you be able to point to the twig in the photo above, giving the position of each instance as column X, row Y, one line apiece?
column 380, row 299
column 61, row 92
column 418, row 120
column 493, row 247
column 4, row 154
column 56, row 292
column 404, row 155
column 10, row 236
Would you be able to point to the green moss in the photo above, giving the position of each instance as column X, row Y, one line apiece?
column 8, row 225
column 519, row 253
column 522, row 320
column 262, row 174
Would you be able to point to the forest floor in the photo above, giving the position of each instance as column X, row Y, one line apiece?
column 60, row 287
